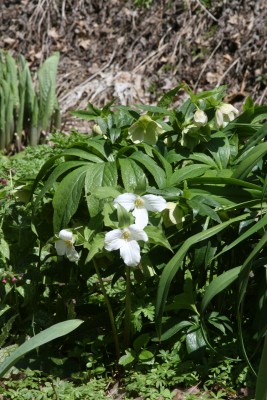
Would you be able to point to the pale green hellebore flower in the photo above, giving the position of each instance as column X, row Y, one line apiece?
column 145, row 130
column 173, row 215
column 200, row 118
column 224, row 114
column 140, row 206
column 64, row 246
column 125, row 240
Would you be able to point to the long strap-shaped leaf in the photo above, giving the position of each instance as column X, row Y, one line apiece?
column 261, row 386
column 49, row 334
column 248, row 163
column 218, row 285
column 176, row 262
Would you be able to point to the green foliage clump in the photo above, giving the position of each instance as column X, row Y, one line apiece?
column 27, row 111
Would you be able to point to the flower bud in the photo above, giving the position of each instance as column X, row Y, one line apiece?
column 200, row 118
column 224, row 114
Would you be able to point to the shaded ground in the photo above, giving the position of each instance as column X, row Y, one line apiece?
column 111, row 48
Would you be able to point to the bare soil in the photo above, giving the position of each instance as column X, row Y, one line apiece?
column 112, row 48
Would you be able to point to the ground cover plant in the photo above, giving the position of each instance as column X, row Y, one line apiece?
column 152, row 231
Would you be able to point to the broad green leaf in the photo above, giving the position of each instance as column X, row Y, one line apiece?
column 195, row 341
column 187, row 172
column 145, row 356
column 57, row 172
column 106, row 191
column 156, row 236
column 182, row 301
column 201, row 205
column 86, row 155
column 141, row 341
column 167, row 166
column 176, row 263
column 49, row 334
column 157, row 173
column 128, row 358
column 219, row 147
column 95, row 247
column 204, row 158
column 101, row 174
column 4, row 248
column 133, row 176
column 124, row 217
column 67, row 197
column 218, row 285
column 173, row 330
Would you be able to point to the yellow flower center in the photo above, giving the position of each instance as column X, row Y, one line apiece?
column 126, row 235
column 138, row 202
column 68, row 243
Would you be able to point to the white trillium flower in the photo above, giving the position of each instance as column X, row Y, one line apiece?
column 200, row 118
column 125, row 240
column 140, row 206
column 224, row 114
column 64, row 246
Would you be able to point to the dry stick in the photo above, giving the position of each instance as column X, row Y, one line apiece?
column 226, row 72
column 84, row 83
column 150, row 56
column 206, row 63
column 206, row 11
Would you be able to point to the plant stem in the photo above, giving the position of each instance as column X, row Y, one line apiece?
column 127, row 320
column 110, row 312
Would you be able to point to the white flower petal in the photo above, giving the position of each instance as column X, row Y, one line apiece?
column 141, row 217
column 61, row 247
column 137, row 233
column 130, row 253
column 113, row 240
column 226, row 108
column 126, row 200
column 154, row 203
column 72, row 254
column 200, row 118
column 218, row 118
column 65, row 235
